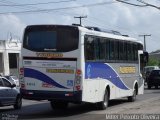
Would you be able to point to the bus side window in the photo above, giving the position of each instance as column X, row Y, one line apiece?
column 135, row 50
column 121, row 50
column 116, row 50
column 129, row 51
column 1, row 83
column 107, row 49
column 112, row 50
column 102, row 49
column 89, row 48
column 96, row 48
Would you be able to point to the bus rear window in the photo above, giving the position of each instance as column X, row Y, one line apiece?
column 53, row 40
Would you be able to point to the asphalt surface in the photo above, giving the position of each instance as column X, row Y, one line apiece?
column 40, row 110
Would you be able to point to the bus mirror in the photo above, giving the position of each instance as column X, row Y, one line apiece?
column 146, row 56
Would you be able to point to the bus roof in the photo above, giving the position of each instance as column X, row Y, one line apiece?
column 108, row 35
column 90, row 31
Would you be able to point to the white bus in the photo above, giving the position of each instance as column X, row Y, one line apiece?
column 65, row 64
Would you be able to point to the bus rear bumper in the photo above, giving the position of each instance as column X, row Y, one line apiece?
column 75, row 96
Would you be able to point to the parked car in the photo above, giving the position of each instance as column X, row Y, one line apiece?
column 147, row 70
column 13, row 78
column 9, row 95
column 154, row 79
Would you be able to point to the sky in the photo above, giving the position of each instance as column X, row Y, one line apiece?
column 106, row 14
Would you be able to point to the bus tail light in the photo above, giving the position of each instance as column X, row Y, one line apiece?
column 78, row 72
column 21, row 71
column 78, row 87
column 78, row 79
column 21, row 78
column 68, row 94
column 22, row 86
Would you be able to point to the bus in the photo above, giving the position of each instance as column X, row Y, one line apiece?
column 75, row 64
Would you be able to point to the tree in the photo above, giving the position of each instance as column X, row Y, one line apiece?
column 153, row 62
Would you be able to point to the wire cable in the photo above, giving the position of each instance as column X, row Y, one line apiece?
column 32, row 4
column 55, row 9
column 122, row 1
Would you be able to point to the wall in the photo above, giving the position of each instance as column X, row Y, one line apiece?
column 8, row 47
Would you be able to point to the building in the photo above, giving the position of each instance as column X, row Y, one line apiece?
column 155, row 55
column 9, row 56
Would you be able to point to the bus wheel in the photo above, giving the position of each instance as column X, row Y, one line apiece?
column 156, row 86
column 59, row 104
column 149, row 87
column 133, row 97
column 104, row 104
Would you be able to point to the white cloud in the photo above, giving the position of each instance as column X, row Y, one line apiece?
column 10, row 24
column 60, row 16
column 118, row 16
column 130, row 20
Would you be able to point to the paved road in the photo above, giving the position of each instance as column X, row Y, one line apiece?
column 42, row 110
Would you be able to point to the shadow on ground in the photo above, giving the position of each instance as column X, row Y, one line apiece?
column 44, row 110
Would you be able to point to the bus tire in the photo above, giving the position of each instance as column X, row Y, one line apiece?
column 149, row 87
column 156, row 87
column 133, row 97
column 104, row 104
column 59, row 104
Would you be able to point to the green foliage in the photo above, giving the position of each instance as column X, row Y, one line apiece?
column 153, row 62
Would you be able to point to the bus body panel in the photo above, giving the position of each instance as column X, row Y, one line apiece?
column 49, row 75
column 99, row 75
column 49, row 62
column 59, row 71
column 93, row 90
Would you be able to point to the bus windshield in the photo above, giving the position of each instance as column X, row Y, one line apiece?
column 54, row 39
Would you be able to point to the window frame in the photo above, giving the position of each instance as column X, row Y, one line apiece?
column 114, row 45
column 73, row 39
column 1, row 81
column 4, row 85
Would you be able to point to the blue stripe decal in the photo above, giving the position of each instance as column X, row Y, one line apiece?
column 28, row 72
column 104, row 71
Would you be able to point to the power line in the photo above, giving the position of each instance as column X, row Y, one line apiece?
column 122, row 1
column 19, row 7
column 102, row 25
column 55, row 9
column 143, row 4
column 147, row 4
column 27, row 7
column 7, row 5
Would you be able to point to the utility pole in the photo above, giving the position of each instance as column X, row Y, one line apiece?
column 144, row 36
column 80, row 18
